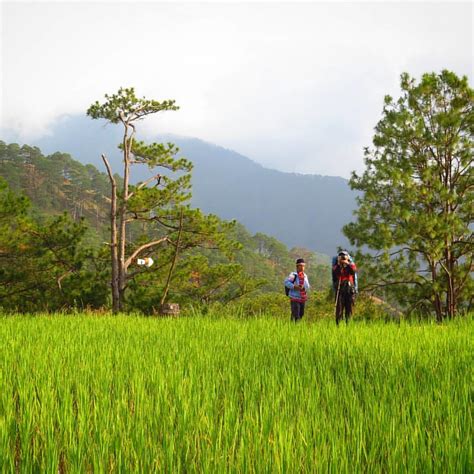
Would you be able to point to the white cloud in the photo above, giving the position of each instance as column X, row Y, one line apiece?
column 297, row 87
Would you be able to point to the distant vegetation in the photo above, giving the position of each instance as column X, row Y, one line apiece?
column 53, row 217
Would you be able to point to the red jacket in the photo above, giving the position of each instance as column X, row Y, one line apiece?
column 344, row 273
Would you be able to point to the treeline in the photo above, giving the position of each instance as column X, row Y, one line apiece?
column 54, row 224
column 56, row 183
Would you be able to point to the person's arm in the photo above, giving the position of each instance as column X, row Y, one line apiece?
column 307, row 286
column 352, row 268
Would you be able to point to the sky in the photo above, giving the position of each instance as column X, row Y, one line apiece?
column 297, row 87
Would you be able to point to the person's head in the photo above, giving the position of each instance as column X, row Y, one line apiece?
column 300, row 265
column 343, row 257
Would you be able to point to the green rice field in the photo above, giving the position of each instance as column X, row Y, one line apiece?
column 201, row 394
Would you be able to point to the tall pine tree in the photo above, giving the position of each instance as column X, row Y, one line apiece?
column 417, row 207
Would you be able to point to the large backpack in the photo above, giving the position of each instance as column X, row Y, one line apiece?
column 287, row 290
column 356, row 279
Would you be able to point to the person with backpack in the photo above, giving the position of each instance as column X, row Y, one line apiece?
column 344, row 274
column 335, row 280
column 296, row 288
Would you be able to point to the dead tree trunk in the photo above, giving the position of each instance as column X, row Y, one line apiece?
column 113, row 240
column 122, row 232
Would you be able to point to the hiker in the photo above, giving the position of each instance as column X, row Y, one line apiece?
column 343, row 277
column 335, row 280
column 296, row 287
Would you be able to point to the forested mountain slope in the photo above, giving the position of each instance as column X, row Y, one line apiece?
column 57, row 183
column 299, row 210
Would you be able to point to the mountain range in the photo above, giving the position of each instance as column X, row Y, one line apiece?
column 298, row 209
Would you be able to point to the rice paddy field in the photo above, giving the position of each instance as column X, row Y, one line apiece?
column 201, row 394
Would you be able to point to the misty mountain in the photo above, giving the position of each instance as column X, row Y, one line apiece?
column 300, row 210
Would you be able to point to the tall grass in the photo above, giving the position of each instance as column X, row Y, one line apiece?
column 83, row 393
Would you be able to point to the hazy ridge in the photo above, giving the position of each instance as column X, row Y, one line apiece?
column 300, row 210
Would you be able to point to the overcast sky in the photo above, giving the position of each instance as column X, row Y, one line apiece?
column 294, row 86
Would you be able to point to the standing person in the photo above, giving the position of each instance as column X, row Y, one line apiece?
column 343, row 274
column 297, row 286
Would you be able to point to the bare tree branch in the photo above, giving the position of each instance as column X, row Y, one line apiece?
column 144, row 247
column 62, row 277
column 142, row 185
column 109, row 170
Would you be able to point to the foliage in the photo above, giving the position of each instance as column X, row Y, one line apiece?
column 126, row 104
column 159, row 210
column 262, row 304
column 43, row 266
column 319, row 307
column 417, row 209
column 204, row 268
column 265, row 257
column 56, row 184
column 255, row 263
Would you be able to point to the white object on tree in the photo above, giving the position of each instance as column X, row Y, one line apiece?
column 147, row 261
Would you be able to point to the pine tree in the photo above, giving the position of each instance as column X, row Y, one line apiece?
column 417, row 207
column 140, row 203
